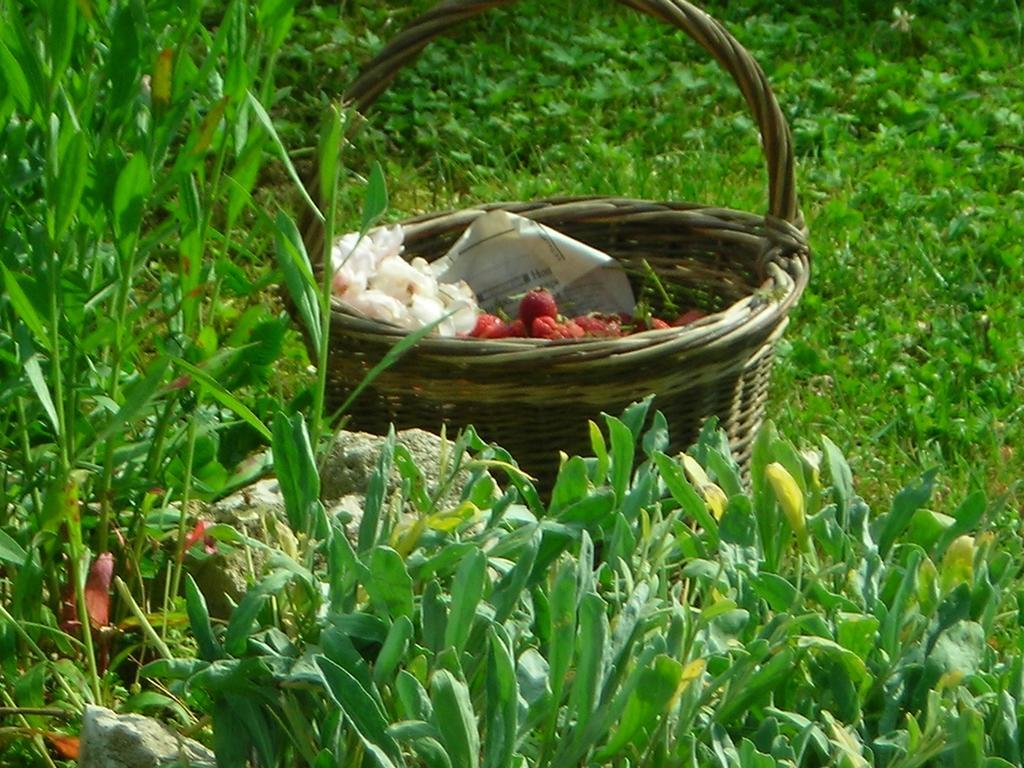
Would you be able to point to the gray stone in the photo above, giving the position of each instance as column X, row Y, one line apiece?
column 109, row 740
column 254, row 511
column 352, row 459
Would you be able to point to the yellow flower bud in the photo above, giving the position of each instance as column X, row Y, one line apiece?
column 694, row 471
column 715, row 499
column 958, row 562
column 790, row 498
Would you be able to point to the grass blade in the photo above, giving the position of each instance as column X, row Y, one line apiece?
column 35, row 377
column 199, row 619
column 24, row 309
column 225, row 398
column 376, row 202
column 268, row 125
column 298, row 276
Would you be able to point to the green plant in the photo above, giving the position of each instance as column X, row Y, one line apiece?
column 130, row 145
column 623, row 623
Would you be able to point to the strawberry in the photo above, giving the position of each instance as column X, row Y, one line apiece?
column 689, row 316
column 518, row 330
column 490, row 327
column 544, row 327
column 598, row 325
column 537, row 304
column 657, row 323
column 570, row 329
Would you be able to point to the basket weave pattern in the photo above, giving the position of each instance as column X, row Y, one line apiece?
column 534, row 397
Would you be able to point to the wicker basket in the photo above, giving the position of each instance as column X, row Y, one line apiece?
column 535, row 397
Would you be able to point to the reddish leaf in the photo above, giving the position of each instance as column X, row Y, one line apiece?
column 64, row 745
column 97, row 590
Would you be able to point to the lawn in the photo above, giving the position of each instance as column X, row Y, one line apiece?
column 859, row 603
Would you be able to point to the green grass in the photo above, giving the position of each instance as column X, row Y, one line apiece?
column 145, row 356
column 907, row 346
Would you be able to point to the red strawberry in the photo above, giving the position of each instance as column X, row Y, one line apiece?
column 657, row 323
column 518, row 330
column 544, row 327
column 689, row 316
column 537, row 304
column 490, row 327
column 570, row 329
column 597, row 325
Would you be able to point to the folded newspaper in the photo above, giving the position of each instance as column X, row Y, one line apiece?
column 501, row 256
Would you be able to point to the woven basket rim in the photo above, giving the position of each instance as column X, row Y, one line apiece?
column 781, row 230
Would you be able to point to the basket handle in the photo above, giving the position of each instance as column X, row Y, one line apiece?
column 706, row 31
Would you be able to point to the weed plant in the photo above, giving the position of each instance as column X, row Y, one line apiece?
column 146, row 150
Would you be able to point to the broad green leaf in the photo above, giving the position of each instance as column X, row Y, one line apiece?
column 225, row 398
column 414, row 702
column 393, row 651
column 563, row 628
column 634, row 416
column 758, row 688
column 622, row 453
column 409, row 730
column 455, row 720
column 434, row 617
column 13, row 80
column 338, row 647
column 254, row 724
column 173, row 669
column 432, row 753
column 240, row 625
column 231, row 744
column 570, row 485
column 295, row 466
column 842, row 478
column 467, row 589
column 600, row 449
column 390, row 585
column 376, row 202
column 590, row 649
column 853, row 663
column 647, row 705
column 343, row 571
column 510, row 589
column 199, row 619
column 502, row 704
column 62, row 20
column 906, row 503
column 74, row 172
column 779, row 593
column 360, row 708
column 857, row 632
column 130, row 193
column 692, row 504
column 24, row 309
column 967, row 517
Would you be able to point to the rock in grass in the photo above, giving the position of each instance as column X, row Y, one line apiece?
column 109, row 740
column 352, row 458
